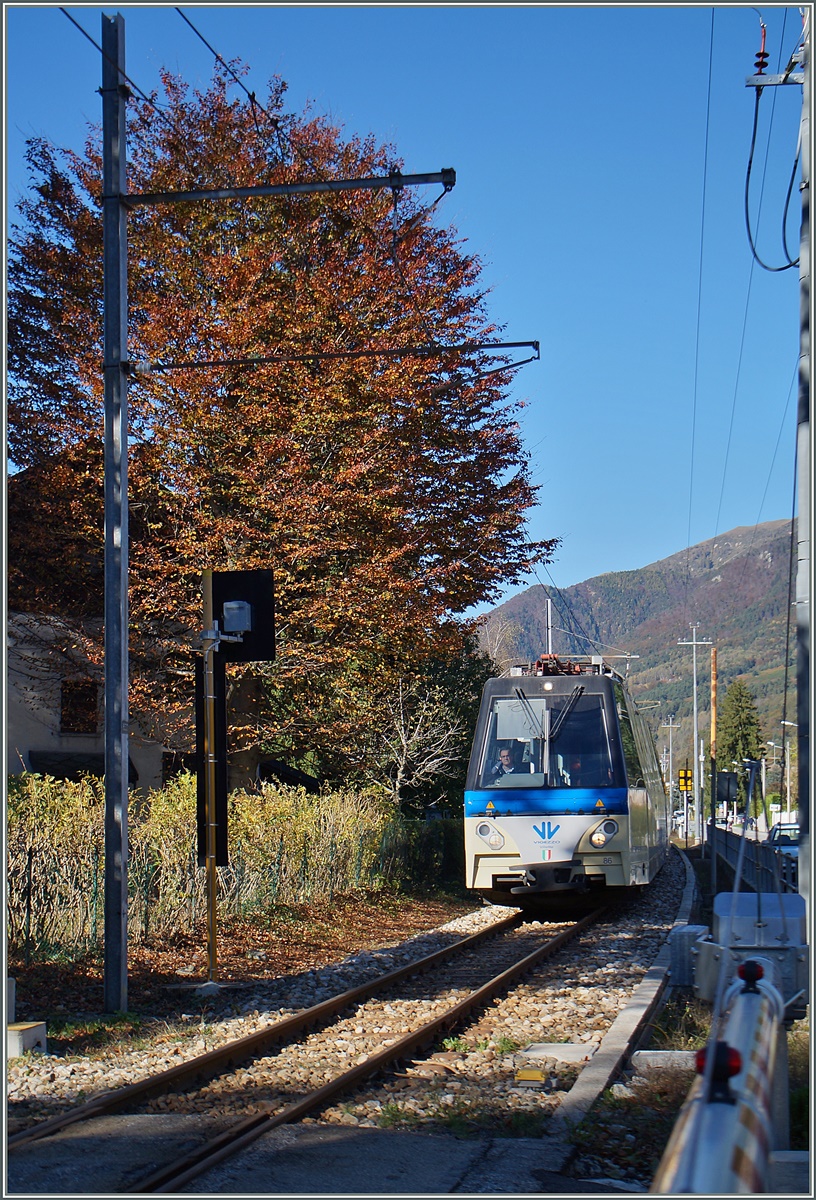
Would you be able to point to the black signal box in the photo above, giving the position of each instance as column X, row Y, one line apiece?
column 726, row 787
column 251, row 592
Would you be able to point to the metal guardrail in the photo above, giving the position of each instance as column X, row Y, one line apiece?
column 764, row 868
column 736, row 1112
column 754, row 968
column 723, row 1136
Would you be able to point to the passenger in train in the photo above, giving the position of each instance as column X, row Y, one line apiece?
column 589, row 771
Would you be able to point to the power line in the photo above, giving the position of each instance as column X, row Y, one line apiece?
column 253, row 98
column 751, row 273
column 789, row 261
column 778, row 440
column 734, row 400
column 592, row 641
column 392, row 254
column 135, row 86
column 570, row 614
column 746, row 560
column 157, row 108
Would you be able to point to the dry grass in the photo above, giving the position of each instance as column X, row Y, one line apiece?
column 286, row 848
column 625, row 1134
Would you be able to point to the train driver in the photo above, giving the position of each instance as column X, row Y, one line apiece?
column 507, row 764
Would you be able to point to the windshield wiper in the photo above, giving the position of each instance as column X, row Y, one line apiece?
column 536, row 725
column 565, row 712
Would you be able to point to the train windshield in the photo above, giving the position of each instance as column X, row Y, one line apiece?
column 559, row 741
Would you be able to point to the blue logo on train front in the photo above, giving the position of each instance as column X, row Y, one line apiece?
column 546, row 830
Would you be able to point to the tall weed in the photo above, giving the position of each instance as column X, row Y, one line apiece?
column 285, row 847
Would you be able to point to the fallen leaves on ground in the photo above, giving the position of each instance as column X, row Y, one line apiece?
column 284, row 941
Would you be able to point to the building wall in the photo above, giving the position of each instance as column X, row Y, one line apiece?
column 41, row 657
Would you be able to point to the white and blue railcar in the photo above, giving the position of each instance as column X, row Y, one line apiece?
column 564, row 799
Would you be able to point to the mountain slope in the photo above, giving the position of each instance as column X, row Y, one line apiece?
column 734, row 587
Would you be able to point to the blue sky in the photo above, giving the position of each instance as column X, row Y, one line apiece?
column 585, row 140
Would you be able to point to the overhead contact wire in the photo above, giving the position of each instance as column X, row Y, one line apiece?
column 571, row 617
column 107, row 57
column 411, row 294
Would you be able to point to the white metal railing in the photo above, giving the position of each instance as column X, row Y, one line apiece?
column 755, row 971
column 764, row 868
column 725, row 1132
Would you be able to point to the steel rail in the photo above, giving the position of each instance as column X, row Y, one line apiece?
column 176, row 1175
column 206, row 1066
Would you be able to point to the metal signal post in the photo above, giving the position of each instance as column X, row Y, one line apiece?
column 238, row 609
column 114, row 222
column 209, row 640
column 116, row 204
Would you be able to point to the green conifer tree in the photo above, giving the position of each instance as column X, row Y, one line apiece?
column 739, row 736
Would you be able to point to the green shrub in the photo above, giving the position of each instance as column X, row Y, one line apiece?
column 285, row 847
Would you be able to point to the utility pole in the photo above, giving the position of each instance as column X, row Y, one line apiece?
column 790, row 75
column 714, row 771
column 671, row 728
column 786, row 762
column 114, row 186
column 804, row 486
column 116, row 203
column 698, row 808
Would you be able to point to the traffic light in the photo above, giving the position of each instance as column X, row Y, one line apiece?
column 686, row 784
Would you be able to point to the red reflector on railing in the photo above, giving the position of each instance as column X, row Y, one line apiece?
column 727, row 1061
column 750, row 971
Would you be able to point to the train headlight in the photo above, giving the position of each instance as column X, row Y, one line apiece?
column 490, row 834
column 603, row 834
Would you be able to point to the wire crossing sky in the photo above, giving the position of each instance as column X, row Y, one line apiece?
column 601, row 157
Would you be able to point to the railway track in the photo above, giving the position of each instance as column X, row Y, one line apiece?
column 457, row 981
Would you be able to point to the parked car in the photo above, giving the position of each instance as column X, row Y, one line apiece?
column 784, row 837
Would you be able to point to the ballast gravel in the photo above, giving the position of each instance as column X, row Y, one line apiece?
column 470, row 1077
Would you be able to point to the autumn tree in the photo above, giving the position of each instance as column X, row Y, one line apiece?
column 739, row 735
column 389, row 493
column 500, row 638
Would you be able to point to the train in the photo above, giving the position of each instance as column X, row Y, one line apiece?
column 565, row 803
